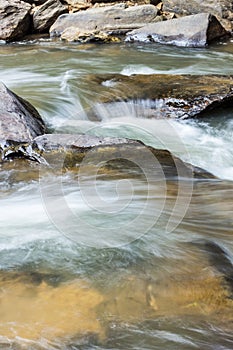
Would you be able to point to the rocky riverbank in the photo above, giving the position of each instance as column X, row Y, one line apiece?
column 103, row 21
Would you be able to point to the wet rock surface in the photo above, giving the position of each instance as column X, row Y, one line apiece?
column 193, row 31
column 65, row 308
column 20, row 122
column 162, row 95
column 14, row 19
column 126, row 155
column 22, row 135
column 117, row 19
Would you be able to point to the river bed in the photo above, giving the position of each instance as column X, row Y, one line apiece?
column 135, row 274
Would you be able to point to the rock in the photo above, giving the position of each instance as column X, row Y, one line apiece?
column 219, row 8
column 162, row 95
column 71, row 34
column 47, row 14
column 20, row 123
column 63, row 151
column 59, row 313
column 222, row 9
column 14, row 19
column 193, row 31
column 77, row 5
column 116, row 19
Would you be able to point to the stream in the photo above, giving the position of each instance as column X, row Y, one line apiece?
column 125, row 279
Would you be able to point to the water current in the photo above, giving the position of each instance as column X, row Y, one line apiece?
column 124, row 281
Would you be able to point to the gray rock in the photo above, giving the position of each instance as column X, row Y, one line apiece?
column 190, row 31
column 219, row 8
column 161, row 95
column 14, row 19
column 64, row 151
column 117, row 19
column 20, row 122
column 46, row 15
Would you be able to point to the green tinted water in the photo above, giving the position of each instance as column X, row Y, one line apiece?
column 147, row 287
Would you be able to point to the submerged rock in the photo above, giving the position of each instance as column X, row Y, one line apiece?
column 116, row 19
column 14, row 19
column 76, row 309
column 63, row 151
column 193, row 31
column 162, row 95
column 46, row 15
column 20, row 123
column 58, row 313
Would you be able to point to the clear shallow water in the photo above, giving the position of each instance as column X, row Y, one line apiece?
column 149, row 288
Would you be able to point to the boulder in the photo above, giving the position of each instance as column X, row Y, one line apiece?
column 192, row 31
column 45, row 15
column 20, row 123
column 221, row 8
column 14, row 19
column 116, row 19
column 62, row 151
column 161, row 95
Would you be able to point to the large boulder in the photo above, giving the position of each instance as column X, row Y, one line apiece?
column 194, row 31
column 45, row 15
column 117, row 19
column 161, row 95
column 20, row 123
column 128, row 156
column 14, row 19
column 221, row 8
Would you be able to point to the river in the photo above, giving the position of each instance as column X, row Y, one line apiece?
column 126, row 279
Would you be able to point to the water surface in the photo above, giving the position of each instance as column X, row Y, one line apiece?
column 147, row 287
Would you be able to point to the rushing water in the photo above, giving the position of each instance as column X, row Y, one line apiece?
column 122, row 282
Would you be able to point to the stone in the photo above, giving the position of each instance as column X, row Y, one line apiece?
column 116, row 19
column 216, row 7
column 71, row 34
column 14, row 19
column 77, row 5
column 222, row 9
column 66, row 151
column 162, row 95
column 20, row 122
column 58, row 312
column 190, row 31
column 45, row 15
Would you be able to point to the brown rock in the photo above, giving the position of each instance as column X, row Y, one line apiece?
column 72, row 34
column 162, row 95
column 63, row 151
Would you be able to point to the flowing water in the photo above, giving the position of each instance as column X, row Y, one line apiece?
column 126, row 279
